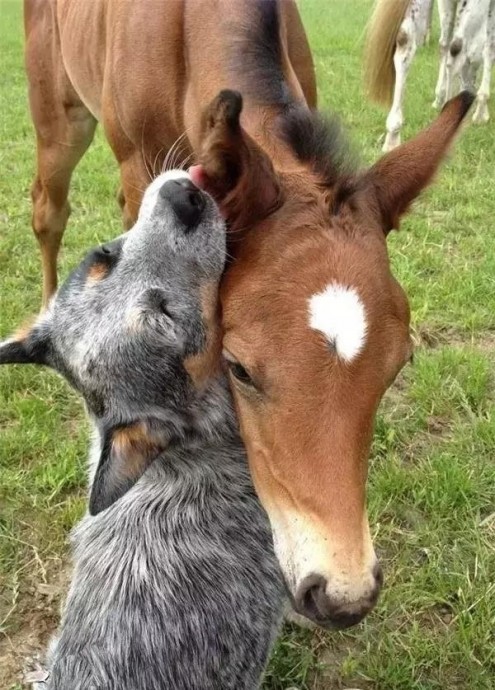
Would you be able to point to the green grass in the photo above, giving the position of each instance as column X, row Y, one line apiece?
column 432, row 480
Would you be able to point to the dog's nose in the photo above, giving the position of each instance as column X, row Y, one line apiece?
column 186, row 200
column 313, row 602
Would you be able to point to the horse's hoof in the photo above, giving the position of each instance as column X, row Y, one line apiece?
column 481, row 116
column 391, row 142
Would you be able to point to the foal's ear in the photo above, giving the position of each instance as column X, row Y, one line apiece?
column 400, row 176
column 232, row 167
column 127, row 452
column 29, row 345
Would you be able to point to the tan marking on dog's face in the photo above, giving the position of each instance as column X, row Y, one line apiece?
column 96, row 272
column 201, row 367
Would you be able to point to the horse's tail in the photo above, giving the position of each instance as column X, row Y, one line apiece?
column 381, row 36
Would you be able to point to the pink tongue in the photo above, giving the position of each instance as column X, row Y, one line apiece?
column 198, row 176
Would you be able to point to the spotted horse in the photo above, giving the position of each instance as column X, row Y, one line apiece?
column 398, row 27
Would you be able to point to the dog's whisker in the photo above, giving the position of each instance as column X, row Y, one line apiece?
column 156, row 159
column 143, row 155
column 166, row 163
column 185, row 161
column 178, row 154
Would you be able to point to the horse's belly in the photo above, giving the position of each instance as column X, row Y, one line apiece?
column 83, row 44
column 145, row 75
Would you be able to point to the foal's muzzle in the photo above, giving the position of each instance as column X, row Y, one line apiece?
column 186, row 200
column 313, row 601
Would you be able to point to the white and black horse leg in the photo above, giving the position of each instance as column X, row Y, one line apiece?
column 405, row 50
column 468, row 73
column 427, row 37
column 481, row 114
column 446, row 11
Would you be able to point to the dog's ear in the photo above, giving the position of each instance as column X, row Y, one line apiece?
column 29, row 345
column 127, row 452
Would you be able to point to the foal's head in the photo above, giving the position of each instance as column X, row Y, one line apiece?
column 134, row 330
column 315, row 330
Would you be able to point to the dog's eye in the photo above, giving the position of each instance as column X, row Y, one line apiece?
column 162, row 307
column 157, row 303
column 109, row 251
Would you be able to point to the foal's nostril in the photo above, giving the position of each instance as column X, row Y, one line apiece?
column 186, row 200
column 312, row 600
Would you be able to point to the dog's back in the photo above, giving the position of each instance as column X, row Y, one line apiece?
column 175, row 585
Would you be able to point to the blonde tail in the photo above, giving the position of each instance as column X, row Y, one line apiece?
column 381, row 36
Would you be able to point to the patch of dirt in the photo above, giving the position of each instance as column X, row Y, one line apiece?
column 437, row 337
column 331, row 657
column 38, row 610
column 438, row 429
column 438, row 617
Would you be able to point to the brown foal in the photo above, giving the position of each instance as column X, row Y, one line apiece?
column 315, row 326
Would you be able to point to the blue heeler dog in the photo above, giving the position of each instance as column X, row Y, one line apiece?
column 175, row 584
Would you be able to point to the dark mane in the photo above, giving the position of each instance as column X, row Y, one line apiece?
column 319, row 141
column 256, row 68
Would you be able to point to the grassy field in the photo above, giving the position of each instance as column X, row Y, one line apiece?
column 432, row 483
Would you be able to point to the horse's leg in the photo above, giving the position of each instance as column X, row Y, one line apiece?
column 64, row 130
column 429, row 22
column 135, row 169
column 468, row 76
column 300, row 53
column 446, row 10
column 405, row 50
column 134, row 178
column 481, row 114
column 121, row 198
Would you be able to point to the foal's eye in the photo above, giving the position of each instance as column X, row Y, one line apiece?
column 238, row 372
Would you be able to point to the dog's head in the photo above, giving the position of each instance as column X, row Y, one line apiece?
column 135, row 329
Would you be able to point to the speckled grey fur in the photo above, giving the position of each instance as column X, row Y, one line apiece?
column 175, row 585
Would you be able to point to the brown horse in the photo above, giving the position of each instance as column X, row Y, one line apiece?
column 315, row 326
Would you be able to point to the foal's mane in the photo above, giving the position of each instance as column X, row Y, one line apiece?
column 256, row 65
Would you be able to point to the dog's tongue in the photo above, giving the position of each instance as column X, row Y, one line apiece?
column 198, row 176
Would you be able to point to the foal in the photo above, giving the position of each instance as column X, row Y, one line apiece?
column 176, row 585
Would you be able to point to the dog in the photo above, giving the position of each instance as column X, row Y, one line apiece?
column 175, row 582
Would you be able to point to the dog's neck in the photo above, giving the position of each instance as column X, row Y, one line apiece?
column 209, row 421
column 212, row 415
